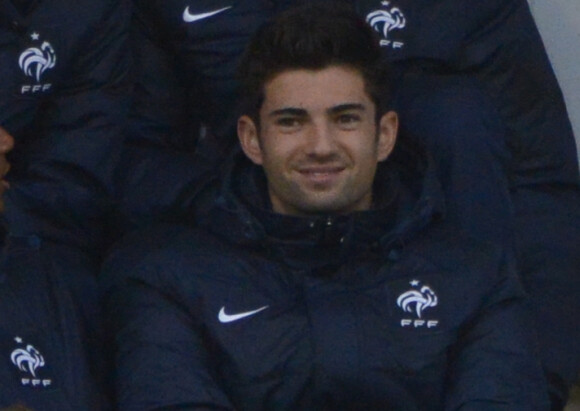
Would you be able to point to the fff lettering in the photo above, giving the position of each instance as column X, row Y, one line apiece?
column 393, row 44
column 419, row 323
column 36, row 88
column 35, row 382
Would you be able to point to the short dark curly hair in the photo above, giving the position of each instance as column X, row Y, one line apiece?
column 313, row 36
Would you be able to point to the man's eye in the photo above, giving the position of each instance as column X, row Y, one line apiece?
column 348, row 119
column 288, row 122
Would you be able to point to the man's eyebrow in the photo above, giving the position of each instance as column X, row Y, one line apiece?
column 346, row 107
column 288, row 111
column 300, row 112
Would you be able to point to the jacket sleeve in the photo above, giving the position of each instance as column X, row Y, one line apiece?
column 494, row 365
column 159, row 162
column 503, row 48
column 162, row 360
column 506, row 53
column 68, row 184
column 497, row 42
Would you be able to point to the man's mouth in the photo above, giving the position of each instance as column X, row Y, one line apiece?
column 321, row 174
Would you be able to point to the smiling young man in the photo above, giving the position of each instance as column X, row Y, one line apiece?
column 321, row 274
column 473, row 82
column 319, row 144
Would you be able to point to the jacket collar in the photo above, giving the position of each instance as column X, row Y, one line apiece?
column 408, row 197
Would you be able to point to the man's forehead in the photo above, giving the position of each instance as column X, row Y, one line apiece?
column 323, row 89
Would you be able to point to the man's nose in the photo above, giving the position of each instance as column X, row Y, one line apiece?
column 320, row 138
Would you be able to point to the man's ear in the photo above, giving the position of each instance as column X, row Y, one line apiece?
column 248, row 136
column 388, row 128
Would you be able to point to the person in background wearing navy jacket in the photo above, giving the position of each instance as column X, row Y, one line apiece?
column 63, row 99
column 474, row 84
column 322, row 273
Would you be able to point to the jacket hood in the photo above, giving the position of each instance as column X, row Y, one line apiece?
column 407, row 197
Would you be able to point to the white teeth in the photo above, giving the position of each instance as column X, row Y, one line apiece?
column 319, row 173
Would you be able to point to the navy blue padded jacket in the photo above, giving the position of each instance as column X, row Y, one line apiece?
column 64, row 97
column 383, row 309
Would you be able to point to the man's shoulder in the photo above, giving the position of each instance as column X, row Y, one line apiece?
column 161, row 238
column 160, row 247
column 454, row 250
column 79, row 13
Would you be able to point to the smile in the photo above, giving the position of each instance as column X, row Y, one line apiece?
column 321, row 175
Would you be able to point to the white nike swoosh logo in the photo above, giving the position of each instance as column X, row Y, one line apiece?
column 190, row 18
column 228, row 318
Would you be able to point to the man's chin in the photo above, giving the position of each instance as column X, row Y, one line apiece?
column 318, row 206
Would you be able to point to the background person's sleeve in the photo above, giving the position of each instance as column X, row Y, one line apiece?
column 503, row 48
column 68, row 186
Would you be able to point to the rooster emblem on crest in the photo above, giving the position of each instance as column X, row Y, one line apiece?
column 27, row 359
column 34, row 61
column 417, row 300
column 384, row 21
